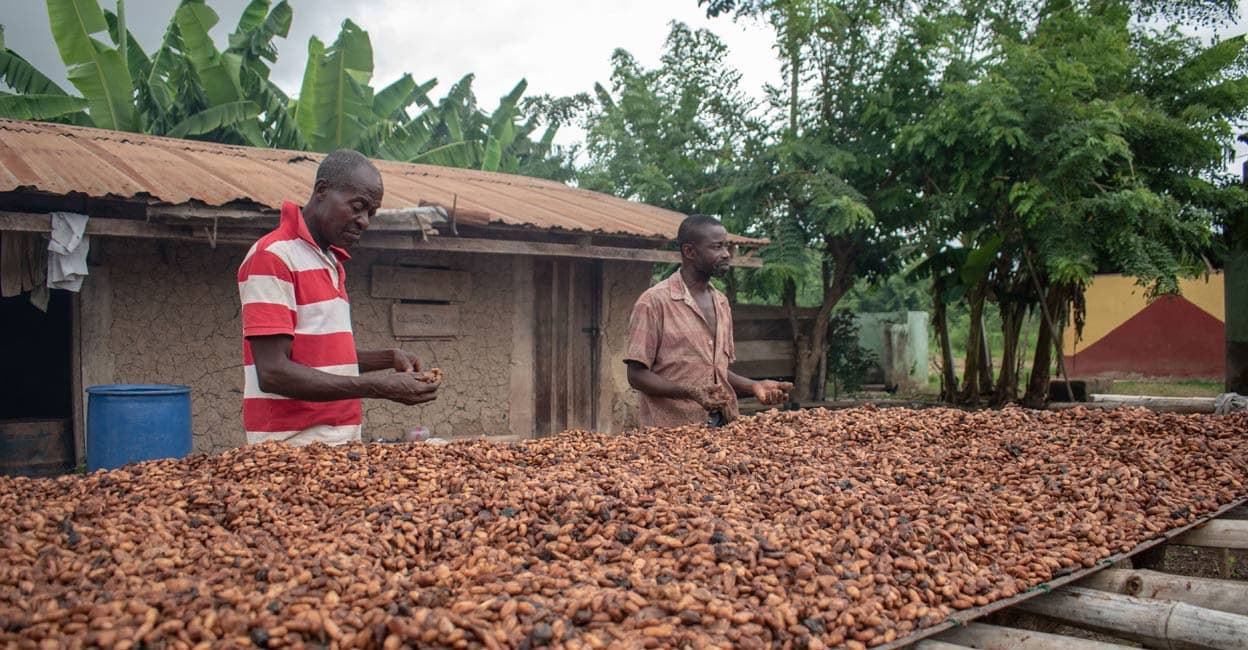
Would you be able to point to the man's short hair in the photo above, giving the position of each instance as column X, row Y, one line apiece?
column 339, row 165
column 692, row 225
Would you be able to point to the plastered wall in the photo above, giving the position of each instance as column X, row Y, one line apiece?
column 169, row 313
column 622, row 283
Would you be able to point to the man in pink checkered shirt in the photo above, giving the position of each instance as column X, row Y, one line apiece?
column 680, row 339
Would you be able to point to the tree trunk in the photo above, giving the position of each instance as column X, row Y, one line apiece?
column 970, row 371
column 985, row 358
column 1037, row 394
column 811, row 345
column 940, row 319
column 1011, row 328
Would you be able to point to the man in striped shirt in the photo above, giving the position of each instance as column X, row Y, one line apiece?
column 302, row 380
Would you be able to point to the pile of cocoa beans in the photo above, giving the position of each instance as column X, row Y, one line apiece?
column 801, row 529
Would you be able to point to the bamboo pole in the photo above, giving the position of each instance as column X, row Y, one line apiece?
column 1140, row 618
column 929, row 644
column 1222, row 595
column 995, row 637
column 1231, row 533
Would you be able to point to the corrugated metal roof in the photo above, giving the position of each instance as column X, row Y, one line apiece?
column 61, row 159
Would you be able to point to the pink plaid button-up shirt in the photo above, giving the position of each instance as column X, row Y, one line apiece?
column 668, row 334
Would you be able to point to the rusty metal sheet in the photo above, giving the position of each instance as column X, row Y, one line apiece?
column 62, row 159
column 962, row 618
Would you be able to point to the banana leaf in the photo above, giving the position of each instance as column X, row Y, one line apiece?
column 136, row 59
column 340, row 103
column 39, row 107
column 301, row 110
column 217, row 117
column 194, row 21
column 17, row 73
column 493, row 155
column 95, row 69
column 449, row 155
column 392, row 101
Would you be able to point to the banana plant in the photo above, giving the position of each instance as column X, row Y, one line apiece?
column 189, row 88
column 97, row 70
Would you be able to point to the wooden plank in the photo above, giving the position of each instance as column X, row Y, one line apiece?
column 520, row 389
column 995, row 637
column 510, row 247
column 1232, row 534
column 769, row 312
column 1140, row 618
column 543, row 349
column 1164, row 404
column 416, row 321
column 561, row 324
column 764, row 368
column 760, row 330
column 582, row 361
column 929, row 644
column 407, row 283
column 1222, row 595
column 26, row 222
column 764, row 350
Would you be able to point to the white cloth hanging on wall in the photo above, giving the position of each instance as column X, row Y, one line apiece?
column 67, row 259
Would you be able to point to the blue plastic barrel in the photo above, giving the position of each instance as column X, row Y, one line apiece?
column 127, row 423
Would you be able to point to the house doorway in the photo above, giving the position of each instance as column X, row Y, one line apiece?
column 567, row 304
column 37, row 405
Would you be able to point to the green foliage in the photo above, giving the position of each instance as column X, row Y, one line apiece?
column 95, row 69
column 848, row 362
column 670, row 136
column 189, row 88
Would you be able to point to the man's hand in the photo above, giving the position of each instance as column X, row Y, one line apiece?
column 405, row 361
column 405, row 388
column 771, row 392
column 712, row 397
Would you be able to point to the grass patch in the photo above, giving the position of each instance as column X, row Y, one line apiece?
column 1170, row 388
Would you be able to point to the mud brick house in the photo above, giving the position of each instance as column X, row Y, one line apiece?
column 519, row 289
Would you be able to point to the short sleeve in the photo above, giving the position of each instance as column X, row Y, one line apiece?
column 266, row 289
column 644, row 325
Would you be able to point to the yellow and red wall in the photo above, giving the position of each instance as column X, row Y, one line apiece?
column 1172, row 336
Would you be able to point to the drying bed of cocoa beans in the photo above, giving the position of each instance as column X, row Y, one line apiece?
column 806, row 529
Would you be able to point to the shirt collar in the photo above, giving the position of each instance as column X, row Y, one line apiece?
column 292, row 220
column 680, row 291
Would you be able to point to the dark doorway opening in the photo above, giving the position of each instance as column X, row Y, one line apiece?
column 37, row 362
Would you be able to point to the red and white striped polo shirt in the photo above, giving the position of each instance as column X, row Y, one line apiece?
column 288, row 285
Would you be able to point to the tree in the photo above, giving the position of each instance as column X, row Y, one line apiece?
column 669, row 136
column 1043, row 159
column 826, row 180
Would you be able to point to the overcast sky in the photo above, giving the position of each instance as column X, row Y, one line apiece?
column 561, row 47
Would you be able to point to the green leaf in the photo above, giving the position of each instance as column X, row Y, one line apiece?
column 334, row 114
column 449, row 155
column 39, row 107
column 394, row 98
column 17, row 73
column 194, row 22
column 252, row 16
column 493, row 154
column 217, row 117
column 95, row 69
column 980, row 259
column 304, row 114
